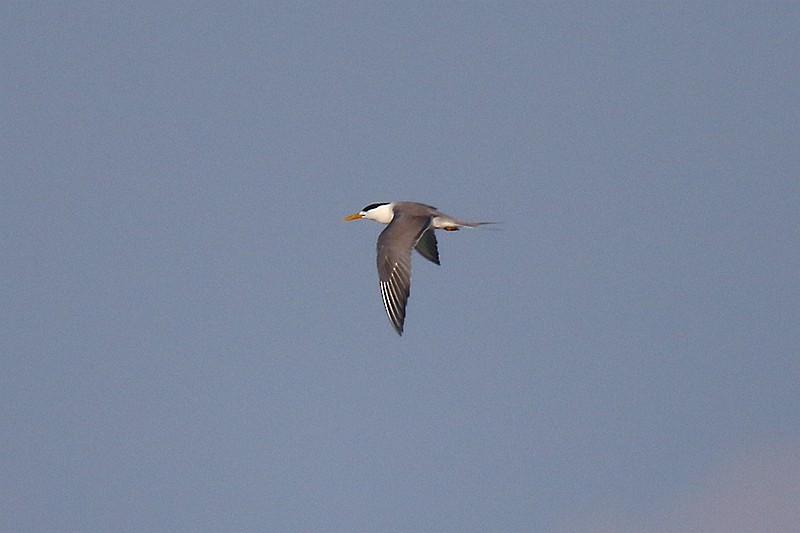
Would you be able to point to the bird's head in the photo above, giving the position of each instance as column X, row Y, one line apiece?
column 381, row 212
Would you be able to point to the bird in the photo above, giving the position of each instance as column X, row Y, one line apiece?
column 410, row 225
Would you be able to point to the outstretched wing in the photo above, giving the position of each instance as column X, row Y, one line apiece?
column 426, row 246
column 394, row 263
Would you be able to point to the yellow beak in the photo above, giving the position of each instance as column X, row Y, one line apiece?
column 354, row 216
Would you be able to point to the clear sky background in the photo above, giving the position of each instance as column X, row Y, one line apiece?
column 192, row 339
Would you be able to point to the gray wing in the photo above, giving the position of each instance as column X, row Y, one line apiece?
column 394, row 263
column 426, row 246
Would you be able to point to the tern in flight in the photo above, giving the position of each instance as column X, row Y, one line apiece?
column 410, row 225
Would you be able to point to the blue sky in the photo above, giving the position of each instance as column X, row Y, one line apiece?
column 193, row 340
